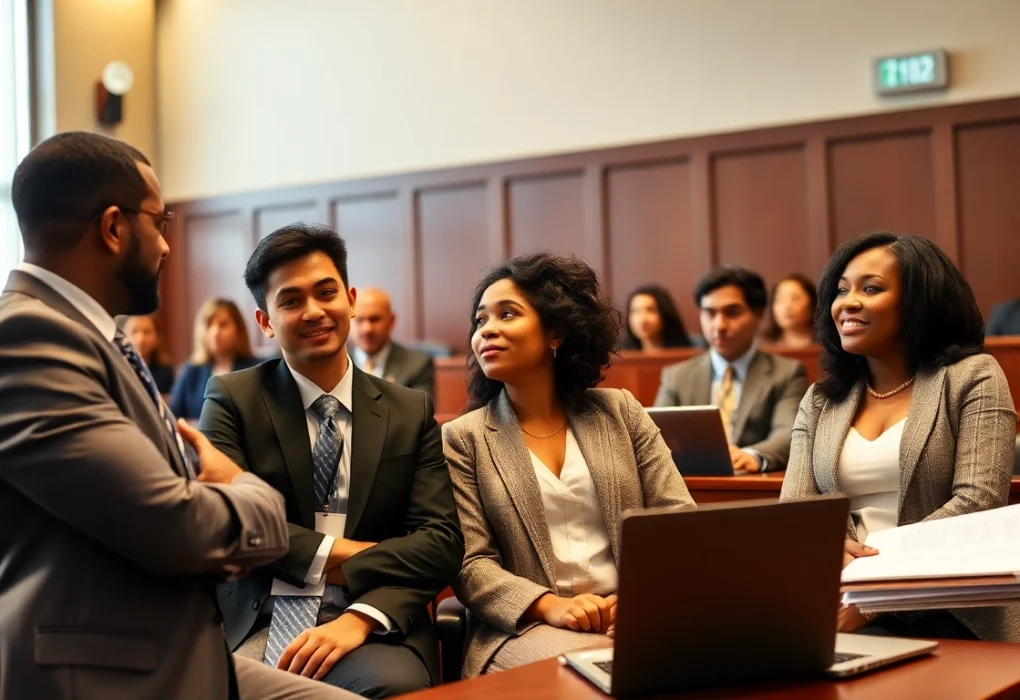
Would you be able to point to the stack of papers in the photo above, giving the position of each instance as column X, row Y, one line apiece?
column 967, row 561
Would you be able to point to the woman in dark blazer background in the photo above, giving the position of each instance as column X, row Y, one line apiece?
column 545, row 464
column 221, row 345
column 911, row 421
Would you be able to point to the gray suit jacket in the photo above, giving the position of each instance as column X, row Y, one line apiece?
column 411, row 368
column 956, row 457
column 106, row 586
column 768, row 400
column 508, row 561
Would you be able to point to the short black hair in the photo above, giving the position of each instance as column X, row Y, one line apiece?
column 567, row 295
column 73, row 177
column 772, row 330
column 289, row 243
column 749, row 282
column 674, row 335
column 942, row 323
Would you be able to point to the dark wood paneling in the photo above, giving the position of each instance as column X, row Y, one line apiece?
column 377, row 254
column 885, row 182
column 761, row 211
column 546, row 213
column 776, row 199
column 649, row 224
column 455, row 250
column 988, row 170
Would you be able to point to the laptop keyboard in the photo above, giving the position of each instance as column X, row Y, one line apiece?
column 840, row 658
column 606, row 666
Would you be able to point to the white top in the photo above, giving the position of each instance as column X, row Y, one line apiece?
column 869, row 475
column 378, row 360
column 582, row 553
column 344, row 392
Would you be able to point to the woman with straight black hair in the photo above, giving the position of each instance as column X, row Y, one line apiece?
column 653, row 321
column 545, row 464
column 911, row 420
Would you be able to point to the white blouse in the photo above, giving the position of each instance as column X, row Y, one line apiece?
column 869, row 475
column 582, row 552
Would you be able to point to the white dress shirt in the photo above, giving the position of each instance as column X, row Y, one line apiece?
column 869, row 475
column 378, row 360
column 740, row 368
column 582, row 552
column 86, row 305
column 343, row 392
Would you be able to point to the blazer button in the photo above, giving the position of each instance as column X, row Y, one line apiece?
column 255, row 541
column 256, row 604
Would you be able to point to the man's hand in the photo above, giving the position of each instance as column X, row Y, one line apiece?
column 213, row 466
column 583, row 613
column 314, row 652
column 853, row 549
column 744, row 461
column 849, row 619
column 342, row 550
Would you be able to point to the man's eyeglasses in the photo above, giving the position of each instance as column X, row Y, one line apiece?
column 161, row 219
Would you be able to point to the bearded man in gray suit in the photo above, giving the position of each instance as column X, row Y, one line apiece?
column 112, row 533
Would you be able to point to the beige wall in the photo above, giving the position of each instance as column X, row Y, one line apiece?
column 263, row 93
column 77, row 39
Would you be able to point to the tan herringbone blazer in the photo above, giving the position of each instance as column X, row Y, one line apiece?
column 956, row 456
column 508, row 560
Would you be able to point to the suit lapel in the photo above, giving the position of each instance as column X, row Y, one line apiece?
column 287, row 413
column 368, row 435
column 830, row 434
column 513, row 463
column 755, row 384
column 701, row 383
column 924, row 409
column 595, row 441
column 24, row 283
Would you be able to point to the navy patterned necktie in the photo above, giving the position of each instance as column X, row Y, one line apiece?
column 293, row 614
column 142, row 370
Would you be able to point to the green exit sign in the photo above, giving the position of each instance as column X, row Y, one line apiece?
column 914, row 72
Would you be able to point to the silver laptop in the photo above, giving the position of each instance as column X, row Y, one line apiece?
column 695, row 436
column 747, row 593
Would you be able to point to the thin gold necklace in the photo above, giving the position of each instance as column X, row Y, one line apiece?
column 545, row 437
column 887, row 394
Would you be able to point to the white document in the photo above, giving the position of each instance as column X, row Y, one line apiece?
column 977, row 544
column 331, row 524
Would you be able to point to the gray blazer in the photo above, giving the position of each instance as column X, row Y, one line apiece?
column 768, row 400
column 106, row 586
column 411, row 368
column 956, row 457
column 508, row 561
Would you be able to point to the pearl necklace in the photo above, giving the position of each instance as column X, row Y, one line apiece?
column 887, row 394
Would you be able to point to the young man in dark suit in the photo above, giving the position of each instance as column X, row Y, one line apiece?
column 757, row 392
column 374, row 534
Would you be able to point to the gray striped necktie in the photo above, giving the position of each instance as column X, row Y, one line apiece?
column 293, row 614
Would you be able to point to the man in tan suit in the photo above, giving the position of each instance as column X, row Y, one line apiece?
column 109, row 542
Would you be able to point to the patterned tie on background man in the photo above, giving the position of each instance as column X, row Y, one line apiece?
column 294, row 614
column 142, row 370
column 724, row 399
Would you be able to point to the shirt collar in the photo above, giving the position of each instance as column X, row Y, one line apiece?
column 740, row 365
column 86, row 305
column 378, row 359
column 343, row 391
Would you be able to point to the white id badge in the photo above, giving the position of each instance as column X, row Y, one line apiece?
column 331, row 524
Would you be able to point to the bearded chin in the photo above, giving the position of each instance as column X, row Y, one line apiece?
column 141, row 286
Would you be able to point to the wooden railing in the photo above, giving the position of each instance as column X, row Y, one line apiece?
column 640, row 372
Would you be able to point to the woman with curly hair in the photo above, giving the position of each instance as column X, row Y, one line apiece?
column 545, row 463
column 911, row 420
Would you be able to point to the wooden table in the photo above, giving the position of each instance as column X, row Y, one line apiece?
column 957, row 671
column 744, row 487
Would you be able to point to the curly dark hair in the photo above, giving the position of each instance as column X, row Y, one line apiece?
column 566, row 293
column 772, row 330
column 941, row 320
column 674, row 335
